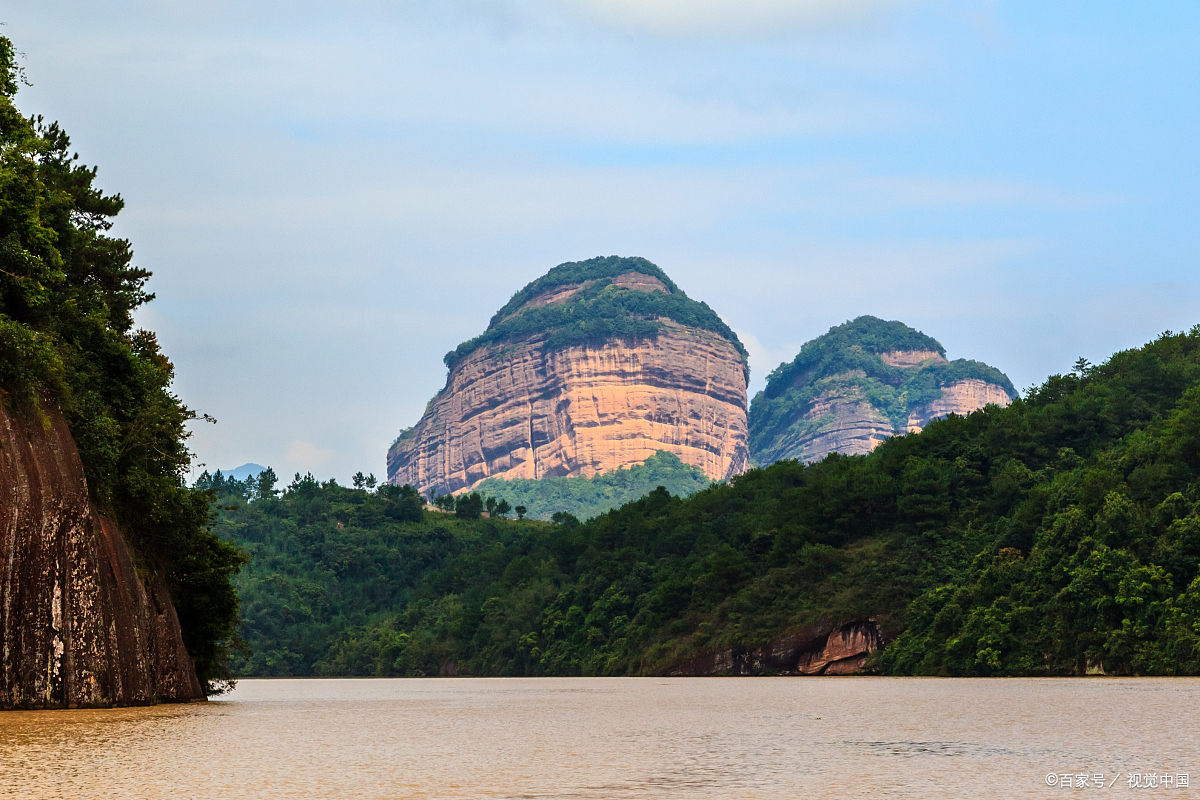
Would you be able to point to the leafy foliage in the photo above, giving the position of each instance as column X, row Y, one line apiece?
column 847, row 360
column 1057, row 534
column 599, row 311
column 67, row 294
column 588, row 497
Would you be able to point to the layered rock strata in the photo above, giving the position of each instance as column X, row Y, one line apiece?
column 844, row 420
column 524, row 410
column 822, row 649
column 80, row 624
column 961, row 398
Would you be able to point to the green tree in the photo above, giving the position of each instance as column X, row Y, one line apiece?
column 68, row 291
column 469, row 506
column 265, row 483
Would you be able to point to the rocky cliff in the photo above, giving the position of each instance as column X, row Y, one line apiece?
column 596, row 366
column 80, row 624
column 821, row 649
column 861, row 383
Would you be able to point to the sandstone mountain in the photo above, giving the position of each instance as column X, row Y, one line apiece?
column 861, row 383
column 595, row 366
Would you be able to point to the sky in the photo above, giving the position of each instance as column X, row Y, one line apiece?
column 333, row 195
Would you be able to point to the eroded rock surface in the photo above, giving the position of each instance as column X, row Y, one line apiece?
column 521, row 410
column 961, row 397
column 80, row 625
column 842, row 421
column 823, row 649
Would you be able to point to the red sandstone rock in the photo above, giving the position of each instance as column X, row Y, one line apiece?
column 821, row 649
column 517, row 410
column 80, row 625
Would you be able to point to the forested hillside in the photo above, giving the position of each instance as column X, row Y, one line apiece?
column 585, row 498
column 68, row 291
column 1054, row 536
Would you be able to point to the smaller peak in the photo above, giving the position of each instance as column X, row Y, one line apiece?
column 875, row 335
column 844, row 347
column 248, row 470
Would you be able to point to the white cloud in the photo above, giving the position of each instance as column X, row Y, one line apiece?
column 730, row 17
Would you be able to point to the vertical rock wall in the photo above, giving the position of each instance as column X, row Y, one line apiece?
column 960, row 397
column 79, row 625
column 518, row 410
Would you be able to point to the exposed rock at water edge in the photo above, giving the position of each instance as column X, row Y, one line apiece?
column 823, row 649
column 81, row 625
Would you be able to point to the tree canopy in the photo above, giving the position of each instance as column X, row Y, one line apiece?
column 67, row 295
column 589, row 497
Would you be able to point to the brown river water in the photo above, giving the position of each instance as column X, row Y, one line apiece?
column 623, row 738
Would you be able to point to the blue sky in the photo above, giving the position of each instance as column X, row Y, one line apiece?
column 331, row 196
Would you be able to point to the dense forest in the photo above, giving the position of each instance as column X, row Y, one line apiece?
column 585, row 498
column 67, row 295
column 598, row 312
column 1052, row 537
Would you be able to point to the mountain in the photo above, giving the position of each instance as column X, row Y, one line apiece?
column 1059, row 535
column 245, row 471
column 863, row 382
column 593, row 367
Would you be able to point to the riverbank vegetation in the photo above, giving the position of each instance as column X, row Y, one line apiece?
column 68, row 291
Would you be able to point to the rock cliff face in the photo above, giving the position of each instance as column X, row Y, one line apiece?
column 961, row 397
column 80, row 625
column 528, row 404
column 819, row 650
column 861, row 383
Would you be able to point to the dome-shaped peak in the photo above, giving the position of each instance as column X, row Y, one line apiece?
column 895, row 343
column 594, row 301
column 566, row 279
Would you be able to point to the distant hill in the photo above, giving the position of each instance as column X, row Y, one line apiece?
column 862, row 382
column 244, row 471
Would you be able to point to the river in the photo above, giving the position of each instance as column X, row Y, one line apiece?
column 622, row 738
